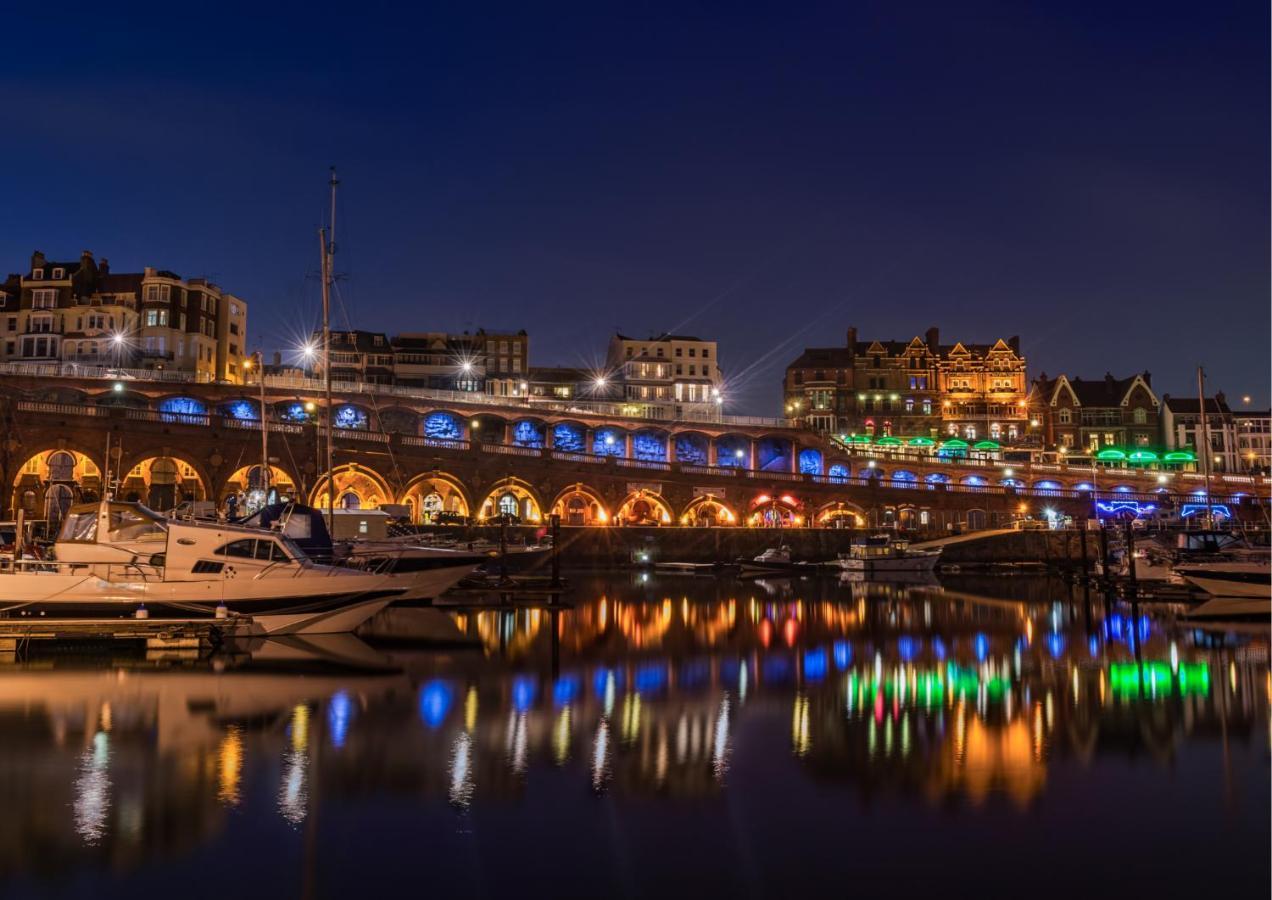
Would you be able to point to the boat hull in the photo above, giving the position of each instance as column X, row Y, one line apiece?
column 1224, row 585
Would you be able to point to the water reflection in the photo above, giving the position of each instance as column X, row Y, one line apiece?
column 967, row 698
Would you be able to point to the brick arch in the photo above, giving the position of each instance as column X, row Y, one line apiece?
column 522, row 490
column 594, row 510
column 34, row 476
column 454, row 496
column 147, row 491
column 835, row 512
column 644, row 507
column 369, row 486
column 703, row 508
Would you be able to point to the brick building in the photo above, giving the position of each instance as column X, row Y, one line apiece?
column 919, row 387
column 80, row 313
column 1077, row 414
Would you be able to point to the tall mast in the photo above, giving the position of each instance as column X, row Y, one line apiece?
column 265, row 472
column 1203, row 437
column 328, row 239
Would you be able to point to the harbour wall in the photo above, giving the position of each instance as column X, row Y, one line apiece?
column 618, row 547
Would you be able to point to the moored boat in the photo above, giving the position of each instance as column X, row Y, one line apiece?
column 116, row 559
column 883, row 553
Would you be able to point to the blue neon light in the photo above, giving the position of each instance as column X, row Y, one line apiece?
column 566, row 689
column 523, row 690
column 1217, row 510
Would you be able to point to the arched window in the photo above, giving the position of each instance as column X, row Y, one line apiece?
column 163, row 471
column 1065, row 417
column 61, row 466
column 350, row 501
column 1140, row 415
column 508, row 505
column 432, row 505
column 56, row 502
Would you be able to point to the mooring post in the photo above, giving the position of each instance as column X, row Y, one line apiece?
column 555, row 522
column 1104, row 551
column 1130, row 557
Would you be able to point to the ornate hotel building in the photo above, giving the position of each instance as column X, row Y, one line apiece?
column 81, row 313
column 919, row 387
column 670, row 374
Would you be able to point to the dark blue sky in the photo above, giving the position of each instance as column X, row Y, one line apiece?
column 1093, row 177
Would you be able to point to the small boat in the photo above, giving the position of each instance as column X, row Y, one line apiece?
column 691, row 568
column 114, row 559
column 883, row 554
column 1252, row 579
column 774, row 559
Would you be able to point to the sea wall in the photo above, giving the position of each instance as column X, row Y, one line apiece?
column 615, row 547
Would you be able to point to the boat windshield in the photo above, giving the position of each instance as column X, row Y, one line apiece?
column 133, row 522
column 80, row 524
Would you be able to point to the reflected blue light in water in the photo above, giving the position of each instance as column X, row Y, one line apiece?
column 907, row 647
column 695, row 673
column 729, row 670
column 843, row 655
column 650, row 677
column 1113, row 626
column 339, row 712
column 776, row 668
column 982, row 647
column 815, row 664
column 601, row 679
column 523, row 691
column 566, row 689
column 1145, row 628
column 1094, row 646
column 938, row 648
column 1055, row 645
column 436, row 698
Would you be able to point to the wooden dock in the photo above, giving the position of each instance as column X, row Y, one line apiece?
column 184, row 635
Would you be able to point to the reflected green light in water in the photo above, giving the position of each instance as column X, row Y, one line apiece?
column 1155, row 679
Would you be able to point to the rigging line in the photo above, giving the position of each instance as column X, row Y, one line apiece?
column 761, row 361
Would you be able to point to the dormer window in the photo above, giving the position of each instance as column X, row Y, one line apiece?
column 37, row 274
column 59, row 274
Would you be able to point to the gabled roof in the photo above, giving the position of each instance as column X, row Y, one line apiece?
column 1100, row 392
column 1190, row 405
column 823, row 358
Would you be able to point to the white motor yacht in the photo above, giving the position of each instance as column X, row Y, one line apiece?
column 1249, row 578
column 114, row 559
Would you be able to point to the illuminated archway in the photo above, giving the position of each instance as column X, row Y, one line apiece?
column 511, row 497
column 840, row 515
column 357, row 487
column 708, row 511
column 643, row 508
column 434, row 497
column 248, row 478
column 580, row 505
column 74, row 472
column 162, row 483
column 781, row 511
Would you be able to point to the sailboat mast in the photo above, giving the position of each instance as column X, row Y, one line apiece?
column 1203, row 437
column 328, row 239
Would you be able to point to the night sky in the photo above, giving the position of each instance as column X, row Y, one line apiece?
column 1091, row 176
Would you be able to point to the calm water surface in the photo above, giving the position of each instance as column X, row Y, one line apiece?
column 664, row 737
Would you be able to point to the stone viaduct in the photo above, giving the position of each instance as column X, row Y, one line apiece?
column 453, row 457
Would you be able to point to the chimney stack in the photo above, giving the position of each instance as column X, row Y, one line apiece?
column 104, row 266
column 852, row 341
column 37, row 260
column 933, row 339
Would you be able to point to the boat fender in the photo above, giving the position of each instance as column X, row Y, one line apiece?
column 222, row 612
column 142, row 612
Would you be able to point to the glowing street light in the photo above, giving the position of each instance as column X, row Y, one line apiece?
column 309, row 350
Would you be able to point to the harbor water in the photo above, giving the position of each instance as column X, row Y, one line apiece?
column 657, row 736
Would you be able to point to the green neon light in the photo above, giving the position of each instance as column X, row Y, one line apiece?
column 1110, row 454
column 986, row 445
column 921, row 442
column 859, row 439
column 889, row 441
column 1143, row 456
column 1180, row 456
column 954, row 444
